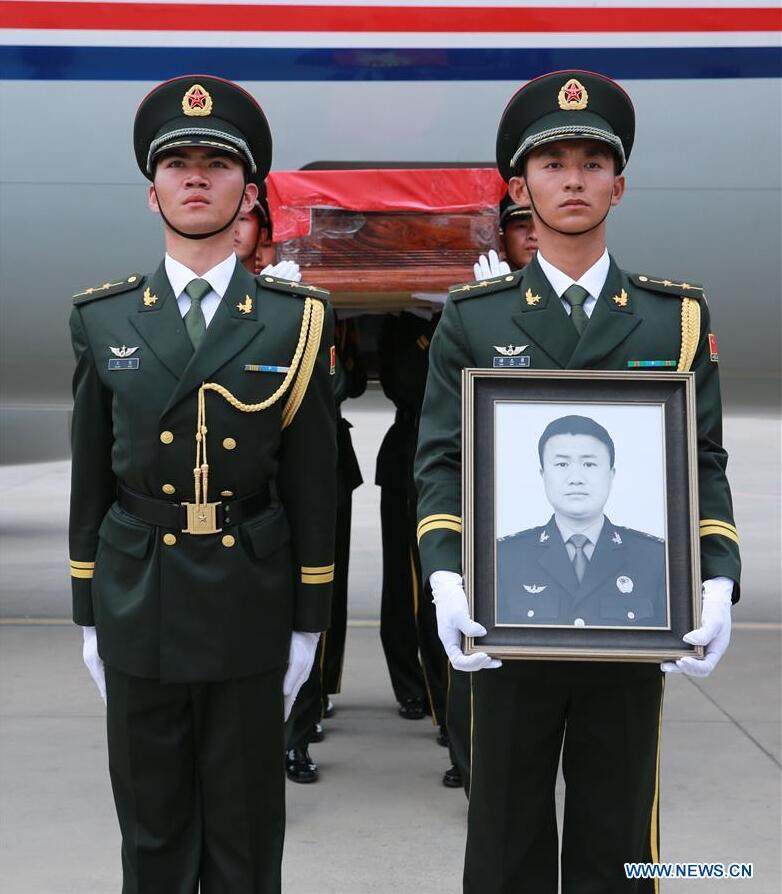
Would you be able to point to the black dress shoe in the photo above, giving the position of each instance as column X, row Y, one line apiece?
column 412, row 709
column 317, row 734
column 328, row 708
column 452, row 778
column 442, row 737
column 299, row 766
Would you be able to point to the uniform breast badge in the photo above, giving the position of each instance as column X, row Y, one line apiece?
column 510, row 357
column 624, row 584
column 122, row 358
column 534, row 588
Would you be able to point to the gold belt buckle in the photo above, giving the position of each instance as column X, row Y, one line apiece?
column 201, row 518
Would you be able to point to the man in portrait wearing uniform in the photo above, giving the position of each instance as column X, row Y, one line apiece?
column 202, row 507
column 562, row 145
column 579, row 568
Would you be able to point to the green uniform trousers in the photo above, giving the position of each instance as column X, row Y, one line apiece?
column 605, row 721
column 199, row 784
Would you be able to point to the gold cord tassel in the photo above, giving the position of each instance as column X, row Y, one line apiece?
column 691, row 330
column 304, row 356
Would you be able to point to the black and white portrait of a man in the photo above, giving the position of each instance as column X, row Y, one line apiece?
column 579, row 566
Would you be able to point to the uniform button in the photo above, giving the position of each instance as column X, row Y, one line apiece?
column 169, row 539
column 226, row 493
column 530, row 614
column 168, row 489
column 579, row 622
column 229, row 443
column 631, row 615
column 229, row 540
column 166, row 437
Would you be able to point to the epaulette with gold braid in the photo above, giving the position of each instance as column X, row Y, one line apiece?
column 108, row 288
column 485, row 286
column 301, row 289
column 668, row 286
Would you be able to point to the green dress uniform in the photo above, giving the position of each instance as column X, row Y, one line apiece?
column 350, row 381
column 604, row 718
column 624, row 583
column 201, row 534
column 407, row 621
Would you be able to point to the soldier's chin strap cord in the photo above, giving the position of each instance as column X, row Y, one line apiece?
column 185, row 235
column 564, row 232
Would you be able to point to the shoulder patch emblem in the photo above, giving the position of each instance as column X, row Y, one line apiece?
column 302, row 289
column 714, row 354
column 108, row 288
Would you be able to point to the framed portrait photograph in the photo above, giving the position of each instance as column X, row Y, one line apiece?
column 580, row 509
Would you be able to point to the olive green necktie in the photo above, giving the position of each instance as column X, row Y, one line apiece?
column 195, row 323
column 579, row 541
column 575, row 297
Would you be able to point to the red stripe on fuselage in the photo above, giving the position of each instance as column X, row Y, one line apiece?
column 359, row 19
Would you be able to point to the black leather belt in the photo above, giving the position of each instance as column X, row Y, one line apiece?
column 182, row 517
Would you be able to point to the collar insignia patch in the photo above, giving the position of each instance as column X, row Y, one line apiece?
column 149, row 298
column 530, row 298
column 620, row 299
column 616, row 538
column 543, row 537
column 246, row 306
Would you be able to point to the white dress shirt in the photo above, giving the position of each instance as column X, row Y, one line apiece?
column 592, row 533
column 593, row 281
column 218, row 278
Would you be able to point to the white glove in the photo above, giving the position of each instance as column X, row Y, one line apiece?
column 284, row 270
column 714, row 632
column 488, row 266
column 300, row 659
column 94, row 662
column 453, row 618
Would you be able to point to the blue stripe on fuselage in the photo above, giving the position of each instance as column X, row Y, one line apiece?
column 105, row 63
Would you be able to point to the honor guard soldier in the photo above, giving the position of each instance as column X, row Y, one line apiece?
column 202, row 507
column 325, row 679
column 517, row 233
column 562, row 145
column 517, row 237
column 407, row 622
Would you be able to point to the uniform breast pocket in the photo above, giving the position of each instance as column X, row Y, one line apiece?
column 616, row 611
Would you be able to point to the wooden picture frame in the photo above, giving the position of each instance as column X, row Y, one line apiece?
column 580, row 508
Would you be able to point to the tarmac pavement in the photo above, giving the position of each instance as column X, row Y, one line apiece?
column 379, row 820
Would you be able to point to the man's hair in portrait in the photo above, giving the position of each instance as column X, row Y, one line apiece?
column 576, row 425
